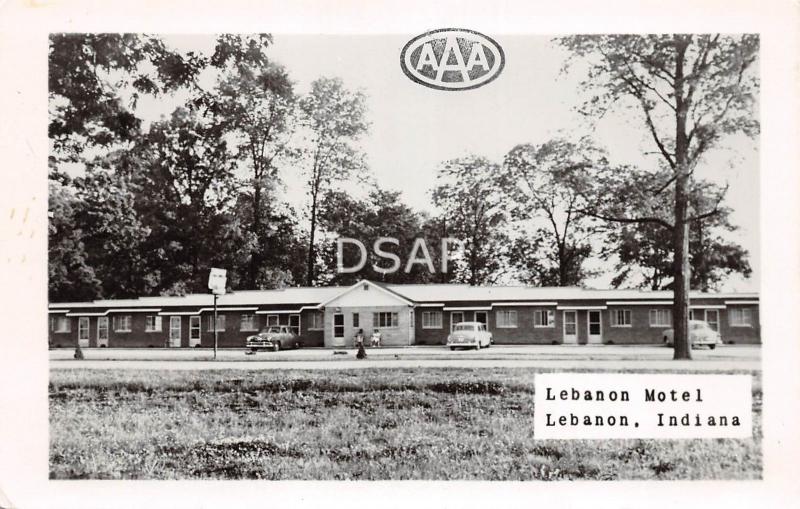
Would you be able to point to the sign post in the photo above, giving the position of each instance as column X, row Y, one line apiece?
column 215, row 326
column 217, row 279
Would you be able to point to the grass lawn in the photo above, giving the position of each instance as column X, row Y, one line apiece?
column 347, row 424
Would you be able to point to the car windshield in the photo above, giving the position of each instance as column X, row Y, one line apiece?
column 464, row 327
column 272, row 330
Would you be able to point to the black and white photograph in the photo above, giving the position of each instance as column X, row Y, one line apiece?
column 269, row 269
column 445, row 252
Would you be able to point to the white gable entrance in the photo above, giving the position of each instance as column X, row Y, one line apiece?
column 366, row 293
column 366, row 306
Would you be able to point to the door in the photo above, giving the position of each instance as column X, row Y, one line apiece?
column 594, row 317
column 482, row 317
column 83, row 331
column 102, row 331
column 294, row 324
column 194, row 331
column 455, row 318
column 712, row 317
column 412, row 327
column 175, row 331
column 570, row 327
column 338, row 329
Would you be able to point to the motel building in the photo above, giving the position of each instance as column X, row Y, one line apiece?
column 404, row 314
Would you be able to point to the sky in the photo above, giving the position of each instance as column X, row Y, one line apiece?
column 415, row 128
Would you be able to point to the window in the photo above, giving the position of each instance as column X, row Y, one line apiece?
column 83, row 328
column 220, row 322
column 660, row 318
column 544, row 318
column 741, row 317
column 384, row 320
column 507, row 319
column 248, row 322
column 355, row 320
column 455, row 317
column 294, row 323
column 273, row 320
column 431, row 319
column 315, row 321
column 621, row 318
column 194, row 327
column 102, row 328
column 62, row 324
column 122, row 323
column 152, row 324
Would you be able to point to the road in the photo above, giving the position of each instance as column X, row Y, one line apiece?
column 558, row 357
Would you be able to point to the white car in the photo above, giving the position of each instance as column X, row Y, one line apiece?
column 469, row 335
column 700, row 333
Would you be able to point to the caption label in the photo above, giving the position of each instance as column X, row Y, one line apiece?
column 587, row 405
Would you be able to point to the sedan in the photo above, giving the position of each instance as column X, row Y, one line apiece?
column 700, row 333
column 274, row 338
column 469, row 335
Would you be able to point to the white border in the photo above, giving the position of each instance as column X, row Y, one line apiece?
column 23, row 48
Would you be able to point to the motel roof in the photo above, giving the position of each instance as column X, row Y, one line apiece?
column 415, row 293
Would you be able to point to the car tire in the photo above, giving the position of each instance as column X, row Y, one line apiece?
column 276, row 347
column 712, row 346
column 452, row 349
column 296, row 345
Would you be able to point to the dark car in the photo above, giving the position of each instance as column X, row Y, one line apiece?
column 274, row 338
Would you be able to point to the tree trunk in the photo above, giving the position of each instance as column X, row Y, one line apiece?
column 680, row 234
column 311, row 235
column 255, row 256
column 680, row 306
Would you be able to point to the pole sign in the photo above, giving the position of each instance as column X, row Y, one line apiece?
column 217, row 279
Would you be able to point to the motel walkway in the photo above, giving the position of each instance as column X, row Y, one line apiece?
column 557, row 357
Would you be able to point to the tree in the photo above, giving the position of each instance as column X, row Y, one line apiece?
column 258, row 106
column 557, row 240
column 95, row 81
column 185, row 191
column 690, row 91
column 472, row 194
column 112, row 234
column 70, row 277
column 336, row 118
column 153, row 210
column 644, row 257
column 381, row 214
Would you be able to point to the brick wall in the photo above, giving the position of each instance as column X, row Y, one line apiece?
column 640, row 331
column 738, row 334
column 390, row 336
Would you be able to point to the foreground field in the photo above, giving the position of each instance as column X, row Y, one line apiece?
column 347, row 424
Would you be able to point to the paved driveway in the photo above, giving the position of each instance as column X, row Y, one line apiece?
column 610, row 357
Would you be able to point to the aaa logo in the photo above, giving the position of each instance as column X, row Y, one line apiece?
column 452, row 59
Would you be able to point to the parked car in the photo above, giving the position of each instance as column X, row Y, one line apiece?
column 274, row 338
column 700, row 333
column 469, row 335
